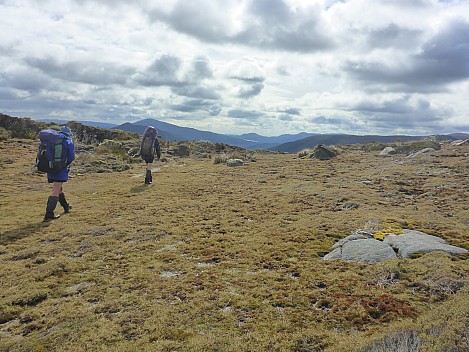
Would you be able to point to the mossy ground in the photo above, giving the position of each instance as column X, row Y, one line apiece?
column 212, row 258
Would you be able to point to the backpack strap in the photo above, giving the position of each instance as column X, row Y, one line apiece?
column 58, row 150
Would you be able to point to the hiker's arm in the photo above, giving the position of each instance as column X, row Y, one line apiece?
column 157, row 148
column 71, row 153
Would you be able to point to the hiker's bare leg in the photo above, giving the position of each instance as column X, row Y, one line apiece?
column 56, row 189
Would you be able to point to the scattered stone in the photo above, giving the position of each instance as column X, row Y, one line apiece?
column 460, row 142
column 350, row 206
column 420, row 152
column 234, row 162
column 134, row 152
column 388, row 151
column 322, row 153
column 79, row 288
column 170, row 274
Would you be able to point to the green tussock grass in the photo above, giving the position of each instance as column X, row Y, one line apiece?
column 213, row 258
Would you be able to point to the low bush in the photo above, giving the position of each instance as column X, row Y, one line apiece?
column 220, row 159
column 4, row 134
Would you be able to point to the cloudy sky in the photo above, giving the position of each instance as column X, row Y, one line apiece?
column 238, row 66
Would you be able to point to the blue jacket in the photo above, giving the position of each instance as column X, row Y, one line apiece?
column 68, row 155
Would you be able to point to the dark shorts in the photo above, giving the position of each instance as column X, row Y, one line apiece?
column 52, row 181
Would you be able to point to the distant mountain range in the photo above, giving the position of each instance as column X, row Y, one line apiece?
column 177, row 133
column 290, row 143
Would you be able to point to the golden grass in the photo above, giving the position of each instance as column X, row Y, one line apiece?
column 213, row 258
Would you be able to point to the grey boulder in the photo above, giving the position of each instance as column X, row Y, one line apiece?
column 388, row 151
column 234, row 162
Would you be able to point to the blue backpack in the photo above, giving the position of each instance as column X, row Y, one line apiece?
column 147, row 147
column 50, row 154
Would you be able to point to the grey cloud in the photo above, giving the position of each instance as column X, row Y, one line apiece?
column 200, row 70
column 247, row 71
column 285, row 117
column 28, row 80
column 7, row 94
column 184, row 107
column 191, row 105
column 278, row 26
column 247, row 78
column 417, row 120
column 459, row 127
column 282, row 70
column 243, row 114
column 398, row 106
column 300, row 36
column 214, row 110
column 272, row 25
column 442, row 60
column 447, row 53
column 251, row 91
column 179, row 117
column 90, row 72
column 271, row 11
column 408, row 3
column 400, row 113
column 323, row 120
column 291, row 111
column 187, row 17
column 393, row 36
column 163, row 71
column 44, row 105
column 199, row 92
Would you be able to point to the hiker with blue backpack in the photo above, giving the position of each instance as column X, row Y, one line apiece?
column 149, row 148
column 56, row 153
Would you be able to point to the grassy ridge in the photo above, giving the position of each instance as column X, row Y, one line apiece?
column 212, row 258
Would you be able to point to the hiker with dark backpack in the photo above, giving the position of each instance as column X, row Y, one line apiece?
column 56, row 152
column 149, row 148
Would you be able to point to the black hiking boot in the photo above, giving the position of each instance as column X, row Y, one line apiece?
column 51, row 204
column 63, row 202
column 148, row 178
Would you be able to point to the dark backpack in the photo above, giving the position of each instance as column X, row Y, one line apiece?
column 50, row 154
column 147, row 147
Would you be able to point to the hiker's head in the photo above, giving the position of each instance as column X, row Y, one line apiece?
column 66, row 131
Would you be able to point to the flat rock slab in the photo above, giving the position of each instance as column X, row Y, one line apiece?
column 415, row 242
column 363, row 250
column 359, row 247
